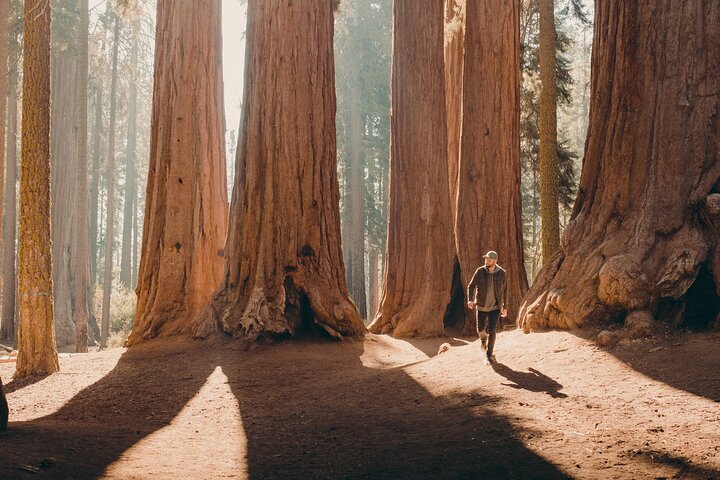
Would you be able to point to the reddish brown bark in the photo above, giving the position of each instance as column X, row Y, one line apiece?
column 284, row 269
column 489, row 207
column 186, row 206
column 454, row 58
column 36, row 336
column 644, row 226
column 420, row 250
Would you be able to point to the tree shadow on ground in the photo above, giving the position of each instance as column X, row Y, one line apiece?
column 18, row 384
column 532, row 380
column 681, row 359
column 308, row 411
column 685, row 469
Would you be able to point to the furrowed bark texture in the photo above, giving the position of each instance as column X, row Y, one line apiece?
column 420, row 249
column 284, row 269
column 646, row 217
column 454, row 58
column 186, row 209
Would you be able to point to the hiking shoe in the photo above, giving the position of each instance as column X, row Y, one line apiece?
column 483, row 341
column 491, row 359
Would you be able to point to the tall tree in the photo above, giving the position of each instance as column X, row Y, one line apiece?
column 489, row 207
column 549, row 171
column 643, row 233
column 186, row 207
column 81, row 257
column 454, row 58
column 95, row 181
column 284, row 269
column 110, row 192
column 63, row 144
column 130, row 157
column 420, row 250
column 37, row 353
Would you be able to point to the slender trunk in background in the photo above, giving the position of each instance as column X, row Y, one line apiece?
column 549, row 171
column 130, row 174
column 110, row 194
column 95, row 185
column 420, row 249
column 489, row 215
column 9, row 286
column 135, row 242
column 643, row 236
column 186, row 207
column 284, row 271
column 37, row 353
column 6, row 326
column 81, row 258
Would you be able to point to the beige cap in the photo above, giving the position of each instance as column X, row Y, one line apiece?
column 491, row 254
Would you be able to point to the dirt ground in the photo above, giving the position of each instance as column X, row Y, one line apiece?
column 553, row 406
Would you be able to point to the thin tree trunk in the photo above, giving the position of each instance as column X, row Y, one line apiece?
column 186, row 206
column 489, row 208
column 4, row 18
column 81, row 258
column 356, row 208
column 36, row 337
column 420, row 247
column 549, row 171
column 643, row 236
column 110, row 195
column 95, row 185
column 9, row 232
column 130, row 180
column 284, row 270
column 135, row 258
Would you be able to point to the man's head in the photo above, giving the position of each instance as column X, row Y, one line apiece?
column 491, row 258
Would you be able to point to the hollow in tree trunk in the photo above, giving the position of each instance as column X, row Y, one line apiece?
column 186, row 207
column 643, row 235
column 420, row 249
column 489, row 202
column 36, row 336
column 284, row 270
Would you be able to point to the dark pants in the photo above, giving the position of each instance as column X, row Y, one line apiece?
column 487, row 322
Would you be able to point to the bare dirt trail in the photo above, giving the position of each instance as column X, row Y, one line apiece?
column 553, row 406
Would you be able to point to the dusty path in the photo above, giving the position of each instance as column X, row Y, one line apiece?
column 554, row 406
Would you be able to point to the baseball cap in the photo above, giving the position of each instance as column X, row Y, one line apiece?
column 491, row 254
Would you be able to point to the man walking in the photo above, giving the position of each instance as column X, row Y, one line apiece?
column 487, row 294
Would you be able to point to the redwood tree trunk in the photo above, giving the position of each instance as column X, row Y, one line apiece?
column 186, row 206
column 81, row 257
column 36, row 336
column 549, row 171
column 645, row 222
column 420, row 249
column 489, row 207
column 454, row 58
column 9, row 232
column 284, row 269
column 63, row 146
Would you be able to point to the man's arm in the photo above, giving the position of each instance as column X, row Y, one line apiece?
column 504, row 293
column 471, row 286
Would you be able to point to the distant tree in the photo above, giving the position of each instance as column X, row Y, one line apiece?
column 37, row 353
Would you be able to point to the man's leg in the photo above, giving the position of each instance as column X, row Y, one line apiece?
column 492, row 322
column 480, row 325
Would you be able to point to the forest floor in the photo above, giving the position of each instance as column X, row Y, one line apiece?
column 554, row 405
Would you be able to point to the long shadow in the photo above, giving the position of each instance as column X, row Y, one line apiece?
column 314, row 412
column 18, row 384
column 532, row 380
column 687, row 361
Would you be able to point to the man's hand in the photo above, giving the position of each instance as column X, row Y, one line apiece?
column 503, row 312
column 471, row 305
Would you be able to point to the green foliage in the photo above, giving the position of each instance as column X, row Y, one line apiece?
column 122, row 312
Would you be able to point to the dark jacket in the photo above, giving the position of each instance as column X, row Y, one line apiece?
column 477, row 289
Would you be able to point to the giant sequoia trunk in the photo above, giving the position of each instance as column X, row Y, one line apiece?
column 549, row 171
column 644, row 231
column 186, row 206
column 489, row 203
column 420, row 250
column 63, row 153
column 284, row 269
column 36, row 336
